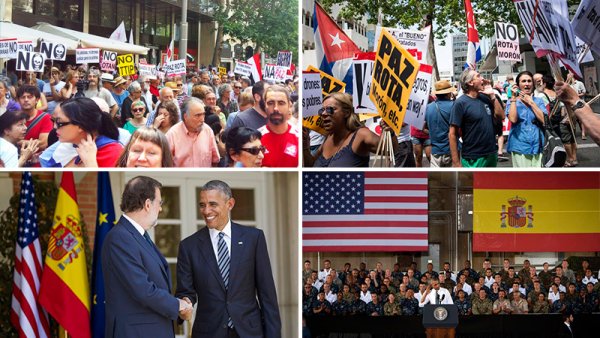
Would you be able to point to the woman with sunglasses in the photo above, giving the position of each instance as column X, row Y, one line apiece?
column 138, row 110
column 148, row 148
column 92, row 132
column 348, row 143
column 243, row 147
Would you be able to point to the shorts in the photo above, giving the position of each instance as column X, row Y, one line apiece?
column 481, row 162
column 441, row 161
column 566, row 135
column 419, row 140
column 404, row 156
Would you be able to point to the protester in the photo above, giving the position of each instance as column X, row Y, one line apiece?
column 226, row 102
column 148, row 148
column 138, row 109
column 526, row 114
column 437, row 117
column 256, row 116
column 243, row 147
column 70, row 89
column 135, row 94
column 6, row 104
column 95, row 90
column 14, row 150
column 52, row 89
column 166, row 117
column 348, row 143
column 582, row 110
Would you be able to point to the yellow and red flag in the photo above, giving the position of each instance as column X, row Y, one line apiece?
column 539, row 212
column 65, row 290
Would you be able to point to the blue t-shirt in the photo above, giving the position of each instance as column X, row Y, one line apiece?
column 120, row 98
column 474, row 117
column 526, row 137
column 437, row 116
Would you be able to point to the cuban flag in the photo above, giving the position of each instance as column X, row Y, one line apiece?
column 334, row 48
column 473, row 50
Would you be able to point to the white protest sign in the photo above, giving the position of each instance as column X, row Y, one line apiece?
column 108, row 62
column 146, row 70
column 87, row 55
column 507, row 42
column 585, row 23
column 284, row 58
column 312, row 96
column 176, row 67
column 415, row 42
column 419, row 97
column 53, row 51
column 26, row 46
column 275, row 73
column 580, row 49
column 8, row 48
column 243, row 68
column 362, row 65
column 30, row 61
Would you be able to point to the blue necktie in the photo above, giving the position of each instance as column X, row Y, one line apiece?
column 224, row 261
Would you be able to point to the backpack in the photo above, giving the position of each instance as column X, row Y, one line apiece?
column 554, row 111
column 553, row 151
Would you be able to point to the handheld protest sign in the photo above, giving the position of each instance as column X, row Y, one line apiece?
column 507, row 42
column 26, row 46
column 125, row 64
column 284, row 59
column 393, row 77
column 419, row 97
column 87, row 55
column 312, row 97
column 222, row 71
column 33, row 62
column 329, row 84
column 243, row 68
column 314, row 123
column 415, row 42
column 176, row 67
column 53, row 51
column 108, row 63
column 8, row 48
column 362, row 65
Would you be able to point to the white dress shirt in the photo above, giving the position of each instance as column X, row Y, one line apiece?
column 214, row 238
column 135, row 225
column 445, row 297
column 366, row 297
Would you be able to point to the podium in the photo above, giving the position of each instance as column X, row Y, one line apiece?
column 440, row 321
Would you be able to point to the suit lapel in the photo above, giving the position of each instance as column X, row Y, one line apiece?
column 238, row 249
column 208, row 253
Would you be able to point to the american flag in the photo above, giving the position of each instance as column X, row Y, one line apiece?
column 26, row 314
column 364, row 211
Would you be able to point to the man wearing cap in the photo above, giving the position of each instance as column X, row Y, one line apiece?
column 107, row 81
column 52, row 89
column 437, row 117
column 94, row 90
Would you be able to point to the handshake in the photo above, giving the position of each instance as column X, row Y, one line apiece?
column 185, row 308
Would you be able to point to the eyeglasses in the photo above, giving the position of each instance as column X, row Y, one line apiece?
column 138, row 109
column 256, row 150
column 180, row 85
column 238, row 87
column 328, row 110
column 59, row 124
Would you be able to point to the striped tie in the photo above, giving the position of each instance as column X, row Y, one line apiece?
column 224, row 261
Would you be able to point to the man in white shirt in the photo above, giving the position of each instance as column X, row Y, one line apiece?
column 365, row 294
column 326, row 270
column 435, row 294
column 329, row 295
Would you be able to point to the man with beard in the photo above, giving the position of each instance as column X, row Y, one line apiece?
column 94, row 90
column 38, row 122
column 278, row 136
column 256, row 116
column 191, row 141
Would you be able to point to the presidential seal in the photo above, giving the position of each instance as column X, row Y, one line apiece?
column 440, row 313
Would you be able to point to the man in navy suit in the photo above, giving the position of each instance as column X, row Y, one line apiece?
column 136, row 275
column 225, row 269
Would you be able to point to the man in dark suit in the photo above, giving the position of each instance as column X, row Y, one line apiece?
column 136, row 275
column 566, row 331
column 225, row 269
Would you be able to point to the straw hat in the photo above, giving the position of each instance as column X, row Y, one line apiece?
column 119, row 81
column 444, row 87
column 173, row 86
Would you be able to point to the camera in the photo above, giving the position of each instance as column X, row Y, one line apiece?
column 83, row 85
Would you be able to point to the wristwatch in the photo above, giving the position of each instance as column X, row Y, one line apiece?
column 578, row 105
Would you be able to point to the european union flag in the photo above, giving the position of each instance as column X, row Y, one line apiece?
column 104, row 222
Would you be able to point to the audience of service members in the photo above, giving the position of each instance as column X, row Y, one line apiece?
column 384, row 291
column 211, row 120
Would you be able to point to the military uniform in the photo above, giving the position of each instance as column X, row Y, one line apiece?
column 498, row 304
column 520, row 306
column 464, row 306
column 358, row 307
column 392, row 309
column 545, row 278
column 410, row 307
column 482, row 306
column 307, row 304
column 374, row 308
column 541, row 307
column 340, row 308
column 327, row 306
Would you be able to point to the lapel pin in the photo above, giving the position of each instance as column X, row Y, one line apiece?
column 240, row 243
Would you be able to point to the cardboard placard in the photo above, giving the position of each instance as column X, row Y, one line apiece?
column 8, row 48
column 26, row 46
column 176, row 67
column 33, row 62
column 53, row 51
column 87, row 55
column 243, row 68
column 362, row 65
column 108, row 63
column 419, row 97
column 284, row 59
column 126, row 64
column 275, row 73
column 312, row 96
column 507, row 42
column 146, row 70
column 329, row 84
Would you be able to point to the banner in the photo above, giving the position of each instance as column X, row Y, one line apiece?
column 108, row 62
column 147, row 70
column 53, row 51
column 414, row 41
column 275, row 73
column 65, row 290
column 580, row 49
column 370, row 211
column 536, row 212
column 419, row 97
column 243, row 68
column 104, row 222
column 312, row 96
column 329, row 84
column 125, row 64
column 26, row 46
column 87, row 55
column 8, row 48
column 362, row 66
column 507, row 42
column 284, row 59
column 176, row 67
column 393, row 77
column 585, row 23
column 33, row 62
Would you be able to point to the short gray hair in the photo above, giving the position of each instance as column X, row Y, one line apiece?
column 217, row 185
column 224, row 88
column 185, row 107
column 466, row 77
column 134, row 87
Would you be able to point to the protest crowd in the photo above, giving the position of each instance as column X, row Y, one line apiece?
column 80, row 116
column 381, row 291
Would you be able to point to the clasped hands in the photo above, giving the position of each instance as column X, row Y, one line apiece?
column 185, row 308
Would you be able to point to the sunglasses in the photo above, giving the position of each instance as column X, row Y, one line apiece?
column 179, row 85
column 138, row 109
column 256, row 150
column 59, row 124
column 328, row 110
column 238, row 87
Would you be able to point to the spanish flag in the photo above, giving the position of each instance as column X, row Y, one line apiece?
column 536, row 212
column 64, row 290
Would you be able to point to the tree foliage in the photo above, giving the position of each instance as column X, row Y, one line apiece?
column 270, row 25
